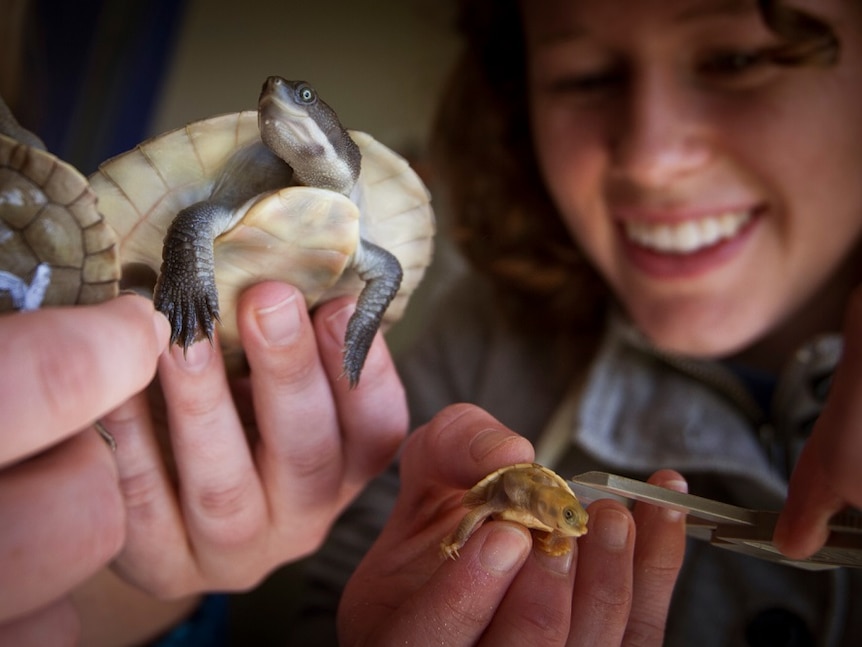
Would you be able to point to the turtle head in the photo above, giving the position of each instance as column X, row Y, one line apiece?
column 305, row 132
column 562, row 511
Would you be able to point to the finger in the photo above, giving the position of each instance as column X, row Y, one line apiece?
column 65, row 367
column 62, row 519
column 466, row 444
column 55, row 624
column 802, row 526
column 460, row 446
column 537, row 607
column 300, row 454
column 373, row 416
column 602, row 595
column 460, row 599
column 156, row 553
column 826, row 479
column 659, row 552
column 221, row 497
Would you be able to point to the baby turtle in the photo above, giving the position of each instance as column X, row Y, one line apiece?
column 529, row 494
column 206, row 208
column 55, row 247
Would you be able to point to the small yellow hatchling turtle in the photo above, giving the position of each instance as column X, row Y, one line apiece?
column 526, row 493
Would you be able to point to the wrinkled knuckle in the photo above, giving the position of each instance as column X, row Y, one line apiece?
column 463, row 617
column 295, row 373
column 615, row 601
column 294, row 366
column 314, row 459
column 545, row 625
column 222, row 500
column 141, row 490
column 662, row 570
column 197, row 405
column 643, row 633
column 227, row 515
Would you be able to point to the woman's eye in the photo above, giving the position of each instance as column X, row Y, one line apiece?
column 732, row 63
column 738, row 69
column 587, row 83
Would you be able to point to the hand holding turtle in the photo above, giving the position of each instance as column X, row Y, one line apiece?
column 826, row 477
column 242, row 506
column 59, row 499
column 614, row 588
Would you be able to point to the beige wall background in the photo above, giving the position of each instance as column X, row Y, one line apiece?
column 379, row 63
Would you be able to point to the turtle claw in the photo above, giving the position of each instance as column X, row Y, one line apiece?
column 192, row 311
column 450, row 548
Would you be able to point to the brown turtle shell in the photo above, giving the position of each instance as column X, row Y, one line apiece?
column 48, row 215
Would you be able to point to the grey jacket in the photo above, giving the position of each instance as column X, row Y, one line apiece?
column 631, row 410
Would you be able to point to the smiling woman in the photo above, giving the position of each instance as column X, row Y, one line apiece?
column 649, row 132
column 511, row 228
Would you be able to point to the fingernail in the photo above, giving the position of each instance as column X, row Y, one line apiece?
column 677, row 486
column 611, row 528
column 561, row 564
column 337, row 321
column 195, row 357
column 279, row 323
column 487, row 441
column 162, row 328
column 504, row 549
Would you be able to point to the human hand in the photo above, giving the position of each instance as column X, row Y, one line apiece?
column 60, row 507
column 826, row 477
column 259, row 467
column 614, row 588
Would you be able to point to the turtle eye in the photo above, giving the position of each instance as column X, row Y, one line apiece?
column 306, row 94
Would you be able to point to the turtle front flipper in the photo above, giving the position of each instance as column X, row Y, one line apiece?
column 186, row 289
column 382, row 274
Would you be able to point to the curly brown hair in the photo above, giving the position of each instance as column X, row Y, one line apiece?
column 502, row 216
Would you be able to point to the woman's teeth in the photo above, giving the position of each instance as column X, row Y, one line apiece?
column 688, row 236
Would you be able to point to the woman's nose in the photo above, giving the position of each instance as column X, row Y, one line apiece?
column 662, row 132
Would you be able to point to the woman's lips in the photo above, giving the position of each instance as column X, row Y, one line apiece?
column 684, row 248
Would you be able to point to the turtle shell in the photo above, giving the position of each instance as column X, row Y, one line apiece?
column 523, row 479
column 305, row 236
column 48, row 215
column 526, row 493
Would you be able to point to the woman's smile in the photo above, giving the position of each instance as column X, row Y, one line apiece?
column 670, row 248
